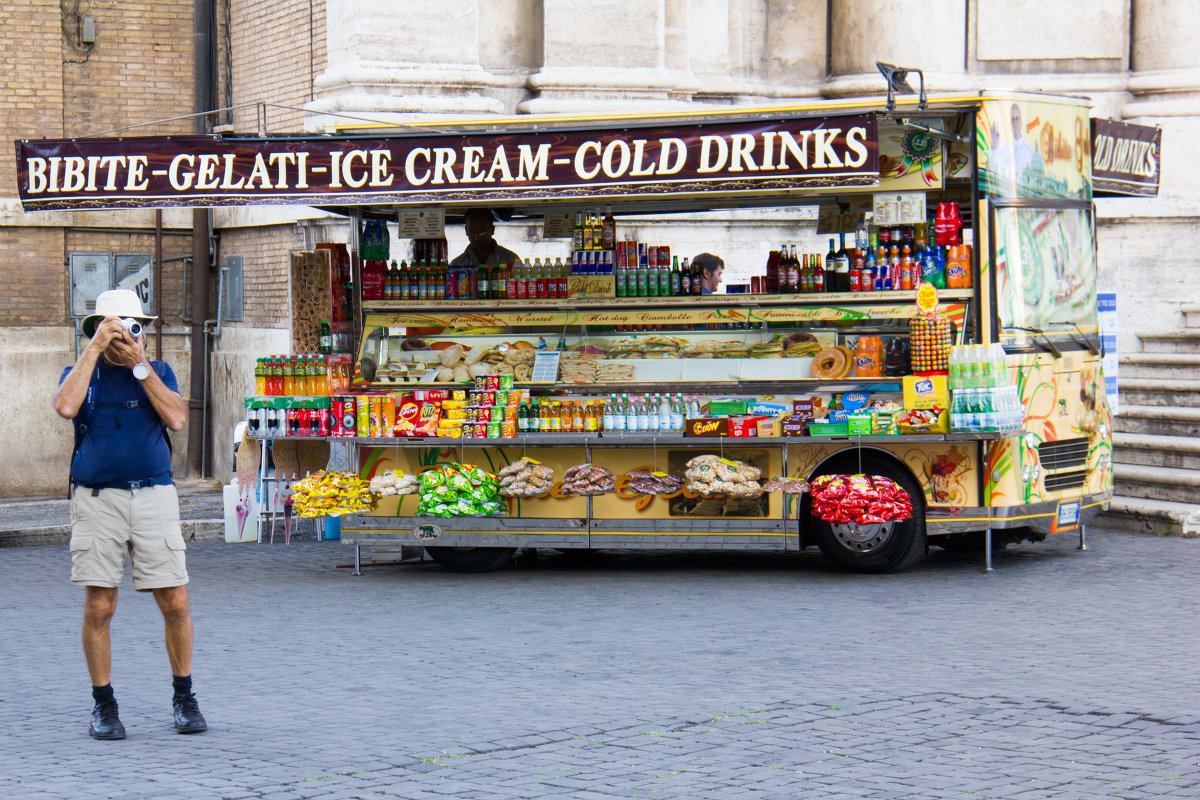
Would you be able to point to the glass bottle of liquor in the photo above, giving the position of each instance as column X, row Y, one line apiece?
column 608, row 236
column 831, row 256
column 685, row 278
column 579, row 231
column 793, row 271
column 697, row 280
column 806, row 275
column 818, row 273
column 840, row 267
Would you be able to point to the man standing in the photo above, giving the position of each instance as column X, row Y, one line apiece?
column 123, row 502
column 709, row 268
column 481, row 249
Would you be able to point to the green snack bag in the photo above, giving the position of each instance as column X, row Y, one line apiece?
column 431, row 478
column 477, row 475
column 444, row 494
column 460, row 482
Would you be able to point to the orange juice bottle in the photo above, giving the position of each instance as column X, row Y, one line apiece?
column 868, row 357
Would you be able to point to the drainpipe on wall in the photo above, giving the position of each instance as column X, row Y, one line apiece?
column 202, row 84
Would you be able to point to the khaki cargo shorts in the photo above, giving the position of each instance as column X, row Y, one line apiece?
column 142, row 524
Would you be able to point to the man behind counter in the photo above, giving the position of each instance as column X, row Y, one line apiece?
column 482, row 248
column 710, row 268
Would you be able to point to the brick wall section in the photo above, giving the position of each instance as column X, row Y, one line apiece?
column 140, row 68
column 30, row 78
column 265, row 267
column 33, row 279
column 278, row 50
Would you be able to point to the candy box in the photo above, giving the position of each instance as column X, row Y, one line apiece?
column 795, row 425
column 926, row 394
column 860, row 422
column 705, row 426
column 744, row 427
column 431, row 394
column 770, row 426
column 767, row 409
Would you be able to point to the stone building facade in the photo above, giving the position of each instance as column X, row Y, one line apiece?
column 317, row 61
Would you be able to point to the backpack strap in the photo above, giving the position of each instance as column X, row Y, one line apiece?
column 81, row 427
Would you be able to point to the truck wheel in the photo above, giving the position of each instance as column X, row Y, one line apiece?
column 888, row 547
column 471, row 559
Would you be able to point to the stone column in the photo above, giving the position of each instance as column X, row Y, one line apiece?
column 391, row 59
column 608, row 55
column 927, row 34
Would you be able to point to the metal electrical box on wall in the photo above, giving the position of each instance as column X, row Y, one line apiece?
column 234, row 297
column 94, row 273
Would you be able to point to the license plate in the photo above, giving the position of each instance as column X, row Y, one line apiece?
column 1067, row 517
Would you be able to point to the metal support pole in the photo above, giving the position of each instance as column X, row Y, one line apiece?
column 1083, row 537
column 357, row 561
column 987, row 551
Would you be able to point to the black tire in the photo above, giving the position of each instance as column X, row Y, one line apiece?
column 887, row 549
column 471, row 559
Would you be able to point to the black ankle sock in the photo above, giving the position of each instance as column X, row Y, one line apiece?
column 103, row 694
column 182, row 685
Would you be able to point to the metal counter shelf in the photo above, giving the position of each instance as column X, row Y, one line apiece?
column 644, row 439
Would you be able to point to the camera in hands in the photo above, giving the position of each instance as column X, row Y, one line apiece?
column 132, row 327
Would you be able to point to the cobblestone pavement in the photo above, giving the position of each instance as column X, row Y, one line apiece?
column 1063, row 675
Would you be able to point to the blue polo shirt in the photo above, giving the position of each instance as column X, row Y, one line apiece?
column 122, row 443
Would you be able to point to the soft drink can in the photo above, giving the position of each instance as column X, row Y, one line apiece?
column 388, row 420
column 664, row 255
column 621, row 252
column 362, row 423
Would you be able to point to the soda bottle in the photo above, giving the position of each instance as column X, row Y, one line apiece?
column 564, row 279
column 868, row 357
column 260, row 377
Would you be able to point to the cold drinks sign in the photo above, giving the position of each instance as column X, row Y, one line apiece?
column 745, row 156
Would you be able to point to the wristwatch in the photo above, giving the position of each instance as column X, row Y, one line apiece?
column 141, row 371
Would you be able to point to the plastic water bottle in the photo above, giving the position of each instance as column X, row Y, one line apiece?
column 664, row 413
column 653, row 418
column 619, row 420
column 956, row 369
column 678, row 412
column 643, row 416
column 609, row 421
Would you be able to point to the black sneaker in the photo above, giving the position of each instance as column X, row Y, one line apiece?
column 105, row 722
column 188, row 718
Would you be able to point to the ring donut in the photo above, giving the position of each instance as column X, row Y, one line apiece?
column 830, row 364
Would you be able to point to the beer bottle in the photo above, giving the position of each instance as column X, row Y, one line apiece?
column 608, row 236
column 819, row 274
column 325, row 340
column 685, row 279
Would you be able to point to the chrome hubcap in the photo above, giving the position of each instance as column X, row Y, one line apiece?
column 863, row 538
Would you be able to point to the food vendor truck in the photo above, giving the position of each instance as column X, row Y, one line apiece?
column 936, row 379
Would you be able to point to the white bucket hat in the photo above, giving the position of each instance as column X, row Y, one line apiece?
column 115, row 303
